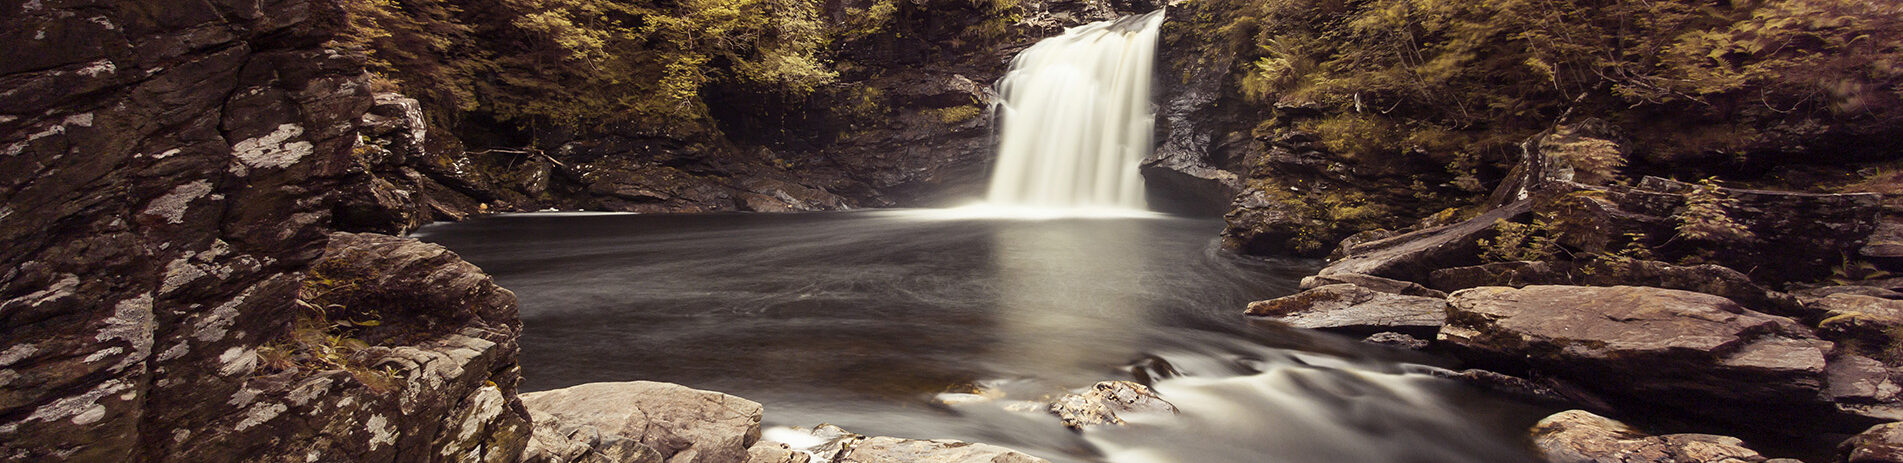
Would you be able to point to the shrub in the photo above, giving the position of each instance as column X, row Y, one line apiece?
column 1513, row 242
column 1705, row 215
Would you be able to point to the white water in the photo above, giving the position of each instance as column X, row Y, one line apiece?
column 1076, row 120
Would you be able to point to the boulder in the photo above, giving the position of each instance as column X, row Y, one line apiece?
column 1709, row 279
column 842, row 446
column 683, row 425
column 1868, row 322
column 1577, row 436
column 1101, row 404
column 558, row 442
column 1353, row 309
column 1863, row 384
column 1882, row 443
column 1657, row 347
column 1386, row 285
column 775, row 452
column 1260, row 224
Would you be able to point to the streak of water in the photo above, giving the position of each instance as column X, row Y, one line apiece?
column 1076, row 118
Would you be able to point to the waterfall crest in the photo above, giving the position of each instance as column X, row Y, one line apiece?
column 1076, row 118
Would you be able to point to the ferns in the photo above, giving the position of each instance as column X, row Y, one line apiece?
column 1705, row 216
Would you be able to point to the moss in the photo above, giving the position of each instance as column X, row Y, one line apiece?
column 1684, row 79
column 1355, row 136
column 324, row 335
column 957, row 114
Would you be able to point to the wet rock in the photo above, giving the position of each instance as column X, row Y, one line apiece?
column 1708, row 279
column 1101, row 404
column 1198, row 159
column 1657, row 347
column 1386, row 285
column 896, row 450
column 775, row 452
column 1396, row 340
column 683, row 425
column 1882, row 443
column 1505, row 384
column 1261, row 225
column 1576, row 436
column 1353, row 309
column 841, row 446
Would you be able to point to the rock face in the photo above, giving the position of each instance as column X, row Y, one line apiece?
column 1101, row 404
column 1199, row 152
column 1577, row 436
column 1353, row 309
column 1659, row 347
column 169, row 173
column 679, row 424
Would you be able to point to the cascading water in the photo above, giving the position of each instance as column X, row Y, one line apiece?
column 1076, row 118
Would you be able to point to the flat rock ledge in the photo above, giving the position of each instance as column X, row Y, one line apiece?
column 1353, row 309
column 650, row 422
column 1576, row 436
column 1654, row 346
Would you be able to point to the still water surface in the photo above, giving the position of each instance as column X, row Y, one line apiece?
column 913, row 324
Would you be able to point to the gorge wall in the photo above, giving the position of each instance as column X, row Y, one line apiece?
column 196, row 200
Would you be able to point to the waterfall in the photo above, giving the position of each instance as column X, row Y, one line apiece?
column 1076, row 118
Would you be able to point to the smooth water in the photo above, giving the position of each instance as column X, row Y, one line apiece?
column 1075, row 118
column 915, row 324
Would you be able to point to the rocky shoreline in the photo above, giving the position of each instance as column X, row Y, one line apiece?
column 1805, row 365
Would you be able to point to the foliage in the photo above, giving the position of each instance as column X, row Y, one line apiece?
column 1497, row 71
column 1887, row 181
column 1705, row 215
column 957, row 114
column 591, row 62
column 1355, row 136
column 1595, row 161
column 1513, row 241
column 323, row 336
column 1326, row 216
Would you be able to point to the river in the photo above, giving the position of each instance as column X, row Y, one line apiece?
column 924, row 324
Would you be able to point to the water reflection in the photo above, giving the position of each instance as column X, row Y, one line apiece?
column 1083, row 280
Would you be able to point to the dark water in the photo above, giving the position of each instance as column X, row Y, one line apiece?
column 907, row 324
